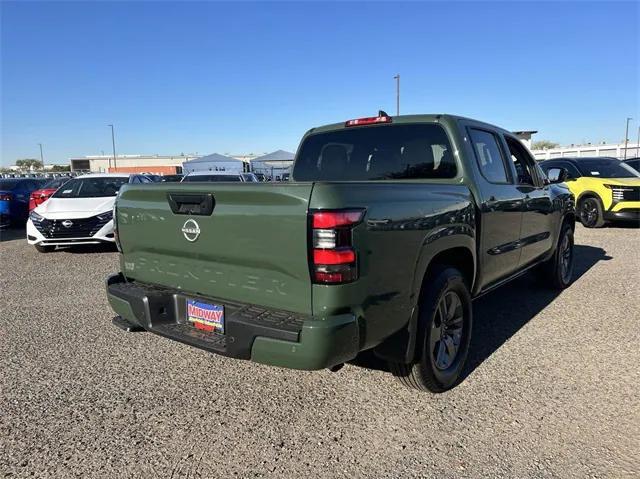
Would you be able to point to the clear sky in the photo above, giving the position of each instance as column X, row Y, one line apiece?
column 253, row 77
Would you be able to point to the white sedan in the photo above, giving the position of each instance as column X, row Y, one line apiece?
column 80, row 212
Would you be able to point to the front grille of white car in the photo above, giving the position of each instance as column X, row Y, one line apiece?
column 71, row 228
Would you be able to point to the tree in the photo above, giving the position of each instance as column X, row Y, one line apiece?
column 28, row 163
column 544, row 145
column 60, row 168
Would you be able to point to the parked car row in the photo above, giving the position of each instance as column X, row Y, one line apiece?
column 606, row 189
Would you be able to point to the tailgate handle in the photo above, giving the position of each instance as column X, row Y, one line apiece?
column 191, row 203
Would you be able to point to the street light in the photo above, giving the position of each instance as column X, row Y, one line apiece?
column 626, row 137
column 113, row 141
column 41, row 155
column 397, row 79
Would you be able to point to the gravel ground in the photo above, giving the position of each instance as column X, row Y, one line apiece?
column 551, row 391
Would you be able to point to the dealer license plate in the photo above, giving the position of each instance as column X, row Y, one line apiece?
column 206, row 316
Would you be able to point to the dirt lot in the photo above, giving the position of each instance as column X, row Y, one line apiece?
column 551, row 391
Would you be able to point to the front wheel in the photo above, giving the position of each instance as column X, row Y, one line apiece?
column 44, row 249
column 445, row 319
column 591, row 213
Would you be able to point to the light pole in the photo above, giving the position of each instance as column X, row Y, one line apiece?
column 626, row 137
column 113, row 142
column 397, row 79
column 41, row 155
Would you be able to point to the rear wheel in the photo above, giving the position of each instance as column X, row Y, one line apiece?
column 591, row 212
column 558, row 271
column 44, row 249
column 445, row 320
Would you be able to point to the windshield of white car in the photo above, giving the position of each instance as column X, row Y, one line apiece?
column 91, row 187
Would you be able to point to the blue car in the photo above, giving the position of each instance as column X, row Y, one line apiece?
column 14, row 199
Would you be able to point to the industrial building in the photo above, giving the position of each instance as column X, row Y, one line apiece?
column 157, row 164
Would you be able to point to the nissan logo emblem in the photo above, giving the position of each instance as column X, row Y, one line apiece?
column 67, row 223
column 191, row 230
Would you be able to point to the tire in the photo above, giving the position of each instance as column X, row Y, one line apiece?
column 437, row 367
column 44, row 249
column 558, row 270
column 591, row 213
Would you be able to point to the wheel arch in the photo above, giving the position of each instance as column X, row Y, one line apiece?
column 457, row 251
column 589, row 194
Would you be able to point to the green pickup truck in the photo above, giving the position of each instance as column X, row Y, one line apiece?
column 386, row 231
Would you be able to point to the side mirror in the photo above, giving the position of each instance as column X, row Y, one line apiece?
column 557, row 175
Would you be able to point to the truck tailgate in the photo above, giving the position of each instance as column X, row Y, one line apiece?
column 252, row 248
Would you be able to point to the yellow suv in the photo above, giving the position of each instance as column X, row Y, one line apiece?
column 605, row 188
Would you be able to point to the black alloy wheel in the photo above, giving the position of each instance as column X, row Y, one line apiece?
column 446, row 331
column 445, row 317
column 591, row 213
column 565, row 257
column 557, row 271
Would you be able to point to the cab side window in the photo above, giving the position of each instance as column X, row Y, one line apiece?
column 489, row 155
column 522, row 161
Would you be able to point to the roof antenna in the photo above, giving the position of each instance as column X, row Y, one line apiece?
column 382, row 113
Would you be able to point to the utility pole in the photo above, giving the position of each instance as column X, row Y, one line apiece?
column 638, row 143
column 41, row 155
column 626, row 137
column 113, row 142
column 397, row 79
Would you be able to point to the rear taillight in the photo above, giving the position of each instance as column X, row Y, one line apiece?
column 5, row 197
column 333, row 258
column 39, row 197
column 115, row 228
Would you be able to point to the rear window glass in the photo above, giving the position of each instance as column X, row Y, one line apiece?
column 205, row 178
column 387, row 152
column 55, row 183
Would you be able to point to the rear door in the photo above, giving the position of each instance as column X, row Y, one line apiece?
column 500, row 206
column 536, row 233
column 251, row 247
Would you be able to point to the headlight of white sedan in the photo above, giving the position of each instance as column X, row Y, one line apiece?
column 35, row 217
column 106, row 216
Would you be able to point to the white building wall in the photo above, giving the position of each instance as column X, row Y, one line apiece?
column 616, row 151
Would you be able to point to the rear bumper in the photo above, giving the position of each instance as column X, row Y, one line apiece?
column 273, row 337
